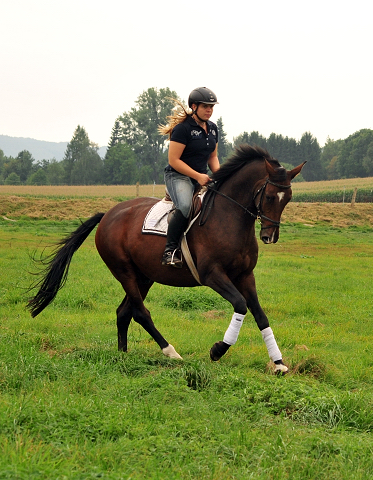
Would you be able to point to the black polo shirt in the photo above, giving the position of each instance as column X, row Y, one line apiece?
column 198, row 144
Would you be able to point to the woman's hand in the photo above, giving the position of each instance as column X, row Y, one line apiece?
column 203, row 179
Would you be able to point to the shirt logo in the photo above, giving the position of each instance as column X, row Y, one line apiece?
column 195, row 133
column 213, row 132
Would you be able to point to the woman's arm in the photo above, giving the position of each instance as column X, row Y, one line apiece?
column 213, row 161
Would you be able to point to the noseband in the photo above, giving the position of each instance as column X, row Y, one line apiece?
column 260, row 192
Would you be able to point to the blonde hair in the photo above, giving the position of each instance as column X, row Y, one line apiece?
column 179, row 115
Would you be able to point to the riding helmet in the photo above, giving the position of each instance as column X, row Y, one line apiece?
column 202, row 95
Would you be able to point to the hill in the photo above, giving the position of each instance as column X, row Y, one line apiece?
column 39, row 149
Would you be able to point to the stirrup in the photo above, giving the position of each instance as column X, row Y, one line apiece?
column 171, row 258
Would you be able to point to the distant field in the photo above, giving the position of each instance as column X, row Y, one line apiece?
column 121, row 191
column 333, row 185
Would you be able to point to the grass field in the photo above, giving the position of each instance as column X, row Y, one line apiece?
column 72, row 407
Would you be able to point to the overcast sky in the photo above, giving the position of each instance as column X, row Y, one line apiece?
column 276, row 66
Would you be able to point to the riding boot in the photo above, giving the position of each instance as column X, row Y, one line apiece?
column 176, row 227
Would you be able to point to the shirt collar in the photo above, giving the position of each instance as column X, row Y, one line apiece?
column 191, row 120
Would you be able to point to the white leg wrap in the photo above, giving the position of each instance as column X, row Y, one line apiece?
column 270, row 341
column 231, row 334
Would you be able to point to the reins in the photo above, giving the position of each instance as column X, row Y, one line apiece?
column 213, row 189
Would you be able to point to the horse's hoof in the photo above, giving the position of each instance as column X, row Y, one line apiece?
column 218, row 350
column 170, row 352
column 281, row 369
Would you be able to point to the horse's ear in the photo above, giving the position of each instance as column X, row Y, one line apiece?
column 293, row 173
column 270, row 169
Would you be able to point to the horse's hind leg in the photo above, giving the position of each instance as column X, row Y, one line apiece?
column 142, row 316
column 133, row 307
column 124, row 317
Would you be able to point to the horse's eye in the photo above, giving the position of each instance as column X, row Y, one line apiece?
column 270, row 199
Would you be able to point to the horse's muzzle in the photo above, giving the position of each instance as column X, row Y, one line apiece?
column 269, row 236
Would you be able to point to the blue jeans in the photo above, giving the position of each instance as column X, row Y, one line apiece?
column 181, row 189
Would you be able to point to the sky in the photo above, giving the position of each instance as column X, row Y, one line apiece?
column 284, row 67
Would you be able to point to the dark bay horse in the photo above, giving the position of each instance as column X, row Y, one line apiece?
column 223, row 245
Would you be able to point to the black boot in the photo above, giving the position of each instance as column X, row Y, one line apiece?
column 176, row 227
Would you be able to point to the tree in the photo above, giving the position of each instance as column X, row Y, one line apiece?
column 283, row 148
column 55, row 172
column 37, row 178
column 353, row 152
column 368, row 160
column 120, row 165
column 21, row 165
column 224, row 147
column 114, row 138
column 332, row 170
column 139, row 129
column 24, row 160
column 254, row 138
column 12, row 179
column 329, row 157
column 241, row 139
column 82, row 164
column 3, row 160
column 309, row 150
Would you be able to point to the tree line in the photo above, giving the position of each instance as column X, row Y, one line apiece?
column 138, row 153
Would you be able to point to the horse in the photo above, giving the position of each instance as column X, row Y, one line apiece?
column 250, row 185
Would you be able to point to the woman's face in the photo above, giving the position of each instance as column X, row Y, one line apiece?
column 204, row 110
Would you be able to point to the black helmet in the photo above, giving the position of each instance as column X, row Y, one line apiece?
column 202, row 95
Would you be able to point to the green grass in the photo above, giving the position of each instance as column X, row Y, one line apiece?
column 72, row 407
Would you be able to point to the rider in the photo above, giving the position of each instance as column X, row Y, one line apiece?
column 193, row 147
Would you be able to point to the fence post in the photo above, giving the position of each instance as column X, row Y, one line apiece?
column 354, row 197
column 137, row 189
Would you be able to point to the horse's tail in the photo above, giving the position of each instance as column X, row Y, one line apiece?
column 56, row 266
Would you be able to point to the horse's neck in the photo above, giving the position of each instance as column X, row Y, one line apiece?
column 241, row 187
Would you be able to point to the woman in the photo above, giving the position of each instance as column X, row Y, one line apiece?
column 193, row 147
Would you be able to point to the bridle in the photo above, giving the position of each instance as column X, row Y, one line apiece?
column 258, row 206
column 259, row 193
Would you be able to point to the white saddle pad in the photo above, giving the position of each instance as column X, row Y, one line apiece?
column 155, row 221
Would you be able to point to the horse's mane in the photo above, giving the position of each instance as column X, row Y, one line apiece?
column 241, row 156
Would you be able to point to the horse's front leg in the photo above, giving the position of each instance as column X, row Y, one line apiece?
column 248, row 288
column 219, row 281
column 243, row 296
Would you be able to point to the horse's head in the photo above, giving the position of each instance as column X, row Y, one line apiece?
column 271, row 199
